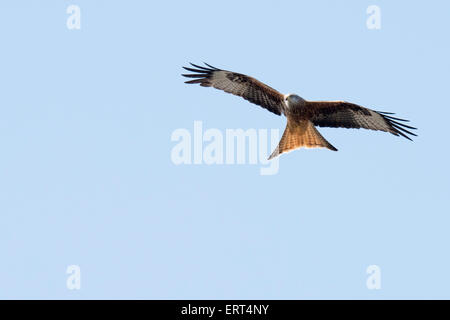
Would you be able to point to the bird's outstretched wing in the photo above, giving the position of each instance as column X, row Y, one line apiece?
column 341, row 114
column 238, row 84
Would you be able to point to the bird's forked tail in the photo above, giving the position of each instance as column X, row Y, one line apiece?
column 300, row 134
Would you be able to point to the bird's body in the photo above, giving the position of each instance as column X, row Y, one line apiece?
column 302, row 115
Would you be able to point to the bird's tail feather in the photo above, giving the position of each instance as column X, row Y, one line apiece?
column 300, row 134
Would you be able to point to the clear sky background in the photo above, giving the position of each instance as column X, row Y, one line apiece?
column 86, row 176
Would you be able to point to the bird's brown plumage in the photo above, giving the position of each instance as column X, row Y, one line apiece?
column 300, row 134
column 341, row 114
column 302, row 115
column 238, row 84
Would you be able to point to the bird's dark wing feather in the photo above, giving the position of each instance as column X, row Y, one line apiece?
column 341, row 114
column 238, row 84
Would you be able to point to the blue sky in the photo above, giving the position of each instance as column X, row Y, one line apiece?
column 86, row 176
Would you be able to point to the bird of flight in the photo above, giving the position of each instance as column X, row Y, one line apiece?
column 302, row 115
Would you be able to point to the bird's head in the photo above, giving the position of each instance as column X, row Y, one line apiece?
column 293, row 99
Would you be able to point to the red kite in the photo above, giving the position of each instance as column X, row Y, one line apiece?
column 302, row 115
